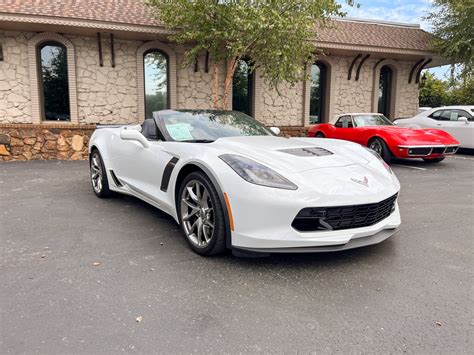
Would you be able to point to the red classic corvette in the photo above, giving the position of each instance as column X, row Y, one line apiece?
column 377, row 132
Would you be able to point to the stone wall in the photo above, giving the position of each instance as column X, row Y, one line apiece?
column 44, row 141
column 105, row 94
column 14, row 79
column 280, row 106
column 110, row 95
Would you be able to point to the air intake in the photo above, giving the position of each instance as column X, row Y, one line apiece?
column 307, row 152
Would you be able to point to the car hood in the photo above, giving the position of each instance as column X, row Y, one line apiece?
column 419, row 135
column 295, row 154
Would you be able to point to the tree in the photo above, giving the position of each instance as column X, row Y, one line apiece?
column 277, row 35
column 437, row 92
column 454, row 32
column 433, row 92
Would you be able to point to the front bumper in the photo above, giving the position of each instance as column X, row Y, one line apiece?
column 426, row 151
column 290, row 240
column 352, row 244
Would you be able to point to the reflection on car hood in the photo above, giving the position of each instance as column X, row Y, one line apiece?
column 419, row 136
column 296, row 154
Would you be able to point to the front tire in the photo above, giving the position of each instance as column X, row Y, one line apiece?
column 98, row 173
column 433, row 160
column 381, row 148
column 201, row 215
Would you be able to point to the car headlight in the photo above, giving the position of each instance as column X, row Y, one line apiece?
column 257, row 173
column 377, row 155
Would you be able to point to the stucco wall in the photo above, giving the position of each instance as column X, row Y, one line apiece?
column 110, row 95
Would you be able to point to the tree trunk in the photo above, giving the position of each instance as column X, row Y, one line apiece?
column 216, row 86
column 228, row 81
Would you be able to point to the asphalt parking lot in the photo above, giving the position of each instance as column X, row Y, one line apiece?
column 81, row 274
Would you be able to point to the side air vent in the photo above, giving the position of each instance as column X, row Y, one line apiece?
column 116, row 180
column 307, row 152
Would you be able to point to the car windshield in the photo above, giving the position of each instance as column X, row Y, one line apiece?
column 371, row 120
column 207, row 126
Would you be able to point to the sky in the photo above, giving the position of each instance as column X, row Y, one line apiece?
column 406, row 11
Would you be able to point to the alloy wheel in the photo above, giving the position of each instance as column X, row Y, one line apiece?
column 96, row 173
column 197, row 213
column 376, row 146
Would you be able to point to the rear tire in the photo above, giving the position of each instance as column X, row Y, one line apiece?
column 320, row 135
column 98, row 174
column 201, row 215
column 381, row 148
column 433, row 160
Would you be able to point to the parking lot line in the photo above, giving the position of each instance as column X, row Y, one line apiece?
column 409, row 166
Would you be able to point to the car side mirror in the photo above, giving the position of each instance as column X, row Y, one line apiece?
column 276, row 131
column 133, row 135
column 463, row 119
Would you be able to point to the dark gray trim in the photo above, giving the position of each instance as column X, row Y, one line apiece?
column 349, row 75
column 115, row 178
column 353, row 243
column 412, row 71
column 360, row 66
column 418, row 74
column 99, row 44
column 165, row 180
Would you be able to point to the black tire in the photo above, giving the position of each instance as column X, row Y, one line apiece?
column 96, row 166
column 381, row 148
column 433, row 160
column 320, row 135
column 217, row 243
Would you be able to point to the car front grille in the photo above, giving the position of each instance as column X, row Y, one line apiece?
column 438, row 150
column 451, row 150
column 343, row 217
column 419, row 151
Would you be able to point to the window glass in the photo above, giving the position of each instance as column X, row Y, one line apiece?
column 208, row 125
column 371, row 120
column 317, row 93
column 54, row 81
column 242, row 88
column 385, row 82
column 155, row 71
column 344, row 122
column 436, row 114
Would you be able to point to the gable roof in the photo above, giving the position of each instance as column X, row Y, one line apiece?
column 350, row 32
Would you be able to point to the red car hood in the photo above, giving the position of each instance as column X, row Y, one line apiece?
column 415, row 136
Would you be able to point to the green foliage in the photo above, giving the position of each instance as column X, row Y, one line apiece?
column 452, row 21
column 434, row 92
column 437, row 92
column 278, row 35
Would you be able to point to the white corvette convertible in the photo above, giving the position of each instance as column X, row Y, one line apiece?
column 232, row 184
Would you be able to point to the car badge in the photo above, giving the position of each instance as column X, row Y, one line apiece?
column 364, row 182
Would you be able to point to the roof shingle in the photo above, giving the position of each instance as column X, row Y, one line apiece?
column 136, row 12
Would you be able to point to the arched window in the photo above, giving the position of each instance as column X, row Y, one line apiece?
column 156, row 79
column 385, row 84
column 317, row 99
column 242, row 88
column 54, row 83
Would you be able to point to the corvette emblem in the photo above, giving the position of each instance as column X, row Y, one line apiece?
column 364, row 181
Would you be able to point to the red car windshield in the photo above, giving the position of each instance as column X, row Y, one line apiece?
column 371, row 120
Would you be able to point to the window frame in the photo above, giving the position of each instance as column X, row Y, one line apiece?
column 323, row 75
column 168, row 77
column 250, row 89
column 39, row 64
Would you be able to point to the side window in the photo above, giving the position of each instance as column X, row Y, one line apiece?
column 436, row 115
column 462, row 113
column 344, row 122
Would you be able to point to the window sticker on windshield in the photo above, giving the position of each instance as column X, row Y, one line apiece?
column 180, row 131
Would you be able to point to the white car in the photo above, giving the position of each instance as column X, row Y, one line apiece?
column 232, row 184
column 456, row 120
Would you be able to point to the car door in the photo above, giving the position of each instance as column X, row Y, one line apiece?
column 142, row 168
column 344, row 128
column 448, row 120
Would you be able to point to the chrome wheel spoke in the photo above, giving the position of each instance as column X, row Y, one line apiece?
column 197, row 213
